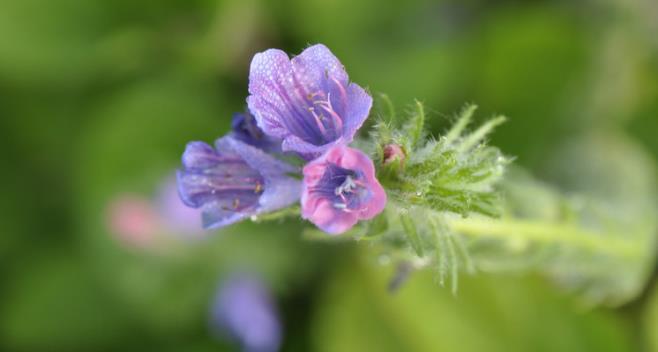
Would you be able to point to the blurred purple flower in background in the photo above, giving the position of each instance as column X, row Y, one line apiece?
column 244, row 309
column 339, row 189
column 234, row 181
column 307, row 101
column 175, row 216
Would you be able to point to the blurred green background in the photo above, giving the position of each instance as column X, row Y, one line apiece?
column 98, row 98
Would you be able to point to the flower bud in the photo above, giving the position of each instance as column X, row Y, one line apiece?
column 393, row 153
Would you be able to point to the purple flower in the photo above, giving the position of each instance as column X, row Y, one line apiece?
column 339, row 189
column 307, row 101
column 244, row 309
column 234, row 181
column 245, row 129
column 175, row 216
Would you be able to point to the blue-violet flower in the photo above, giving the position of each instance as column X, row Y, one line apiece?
column 307, row 101
column 234, row 181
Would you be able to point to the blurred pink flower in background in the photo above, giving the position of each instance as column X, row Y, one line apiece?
column 132, row 220
column 138, row 221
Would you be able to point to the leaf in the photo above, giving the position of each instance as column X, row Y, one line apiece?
column 463, row 119
column 478, row 135
column 415, row 127
column 412, row 234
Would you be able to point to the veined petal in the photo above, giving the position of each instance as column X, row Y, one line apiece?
column 215, row 215
column 359, row 105
column 324, row 215
column 307, row 101
column 234, row 181
column 268, row 73
column 280, row 190
column 316, row 68
column 199, row 155
column 267, row 165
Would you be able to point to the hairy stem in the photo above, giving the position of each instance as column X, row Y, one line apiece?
column 546, row 233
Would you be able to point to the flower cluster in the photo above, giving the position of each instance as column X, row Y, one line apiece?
column 304, row 106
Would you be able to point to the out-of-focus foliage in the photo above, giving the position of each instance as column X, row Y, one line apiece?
column 650, row 322
column 490, row 314
column 97, row 99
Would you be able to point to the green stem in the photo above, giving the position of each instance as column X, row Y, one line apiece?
column 545, row 233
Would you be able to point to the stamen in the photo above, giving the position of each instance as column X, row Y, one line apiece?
column 337, row 120
column 259, row 187
column 318, row 121
column 343, row 198
column 236, row 203
column 347, row 186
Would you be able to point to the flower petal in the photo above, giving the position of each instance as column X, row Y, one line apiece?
column 316, row 67
column 199, row 155
column 377, row 202
column 359, row 105
column 268, row 71
column 307, row 150
column 280, row 190
column 326, row 217
column 267, row 165
column 215, row 214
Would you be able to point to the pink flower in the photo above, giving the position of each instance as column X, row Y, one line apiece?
column 339, row 189
column 133, row 220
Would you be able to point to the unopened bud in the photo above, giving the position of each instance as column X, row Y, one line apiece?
column 393, row 153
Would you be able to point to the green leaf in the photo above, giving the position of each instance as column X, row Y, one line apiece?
column 478, row 135
column 463, row 119
column 411, row 232
column 415, row 127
